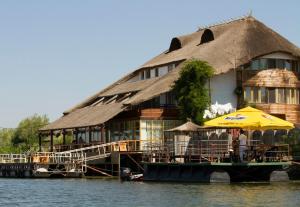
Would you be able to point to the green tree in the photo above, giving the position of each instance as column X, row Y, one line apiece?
column 26, row 134
column 6, row 136
column 190, row 90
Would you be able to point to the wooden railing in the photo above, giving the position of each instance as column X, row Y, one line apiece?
column 215, row 151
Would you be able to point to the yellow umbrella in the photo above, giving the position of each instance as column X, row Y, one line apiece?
column 250, row 118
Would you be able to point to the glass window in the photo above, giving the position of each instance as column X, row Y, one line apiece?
column 247, row 94
column 148, row 73
column 293, row 96
column 280, row 63
column 288, row 64
column 271, row 63
column 288, row 92
column 271, row 95
column 263, row 95
column 156, row 72
column 255, row 64
column 142, row 75
column 280, row 95
column 255, row 98
column 263, row 64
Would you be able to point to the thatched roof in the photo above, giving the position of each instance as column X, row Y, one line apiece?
column 235, row 43
column 87, row 116
column 187, row 127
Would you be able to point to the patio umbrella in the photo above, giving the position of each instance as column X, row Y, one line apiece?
column 187, row 127
column 251, row 119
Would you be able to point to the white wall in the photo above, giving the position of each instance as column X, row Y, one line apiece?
column 222, row 89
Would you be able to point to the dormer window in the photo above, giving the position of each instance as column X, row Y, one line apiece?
column 207, row 36
column 175, row 44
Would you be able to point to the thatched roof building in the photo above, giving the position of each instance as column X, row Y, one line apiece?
column 224, row 46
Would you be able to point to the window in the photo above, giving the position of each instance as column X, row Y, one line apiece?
column 280, row 95
column 271, row 63
column 255, row 97
column 260, row 64
column 288, row 64
column 175, row 44
column 263, row 63
column 148, row 73
column 247, row 94
column 207, row 36
column 271, row 95
column 255, row 65
column 263, row 95
column 156, row 72
column 142, row 75
column 288, row 95
column 280, row 64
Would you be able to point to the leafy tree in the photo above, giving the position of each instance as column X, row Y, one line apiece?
column 190, row 90
column 26, row 134
column 6, row 136
column 5, row 140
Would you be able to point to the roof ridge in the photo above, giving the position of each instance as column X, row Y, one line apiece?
column 228, row 21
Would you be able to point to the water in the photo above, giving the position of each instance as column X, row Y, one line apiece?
column 101, row 192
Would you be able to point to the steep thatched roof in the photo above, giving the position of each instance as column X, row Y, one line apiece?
column 233, row 44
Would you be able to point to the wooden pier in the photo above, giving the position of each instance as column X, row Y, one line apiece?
column 187, row 162
column 42, row 165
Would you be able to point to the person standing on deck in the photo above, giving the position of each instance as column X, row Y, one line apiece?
column 243, row 142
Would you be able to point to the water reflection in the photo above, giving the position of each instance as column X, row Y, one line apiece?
column 97, row 192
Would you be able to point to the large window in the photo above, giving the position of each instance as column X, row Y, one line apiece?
column 269, row 63
column 122, row 130
column 153, row 130
column 271, row 95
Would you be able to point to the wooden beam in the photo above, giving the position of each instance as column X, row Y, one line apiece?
column 99, row 171
column 51, row 141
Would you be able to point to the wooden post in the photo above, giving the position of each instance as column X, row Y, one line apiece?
column 90, row 135
column 102, row 136
column 76, row 136
column 40, row 142
column 51, row 141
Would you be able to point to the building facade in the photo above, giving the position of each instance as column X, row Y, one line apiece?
column 253, row 64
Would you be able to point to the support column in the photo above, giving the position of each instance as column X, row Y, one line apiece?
column 90, row 135
column 103, row 135
column 51, row 141
column 40, row 142
column 76, row 136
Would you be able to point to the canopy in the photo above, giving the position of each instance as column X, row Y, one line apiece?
column 187, row 127
column 250, row 118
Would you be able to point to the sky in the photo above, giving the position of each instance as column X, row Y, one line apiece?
column 56, row 53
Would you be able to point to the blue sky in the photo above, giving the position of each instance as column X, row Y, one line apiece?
column 55, row 53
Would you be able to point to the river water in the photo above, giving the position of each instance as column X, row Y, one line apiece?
column 112, row 192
